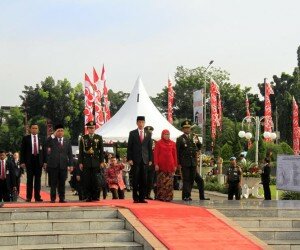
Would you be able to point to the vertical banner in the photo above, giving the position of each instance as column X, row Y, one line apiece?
column 198, row 107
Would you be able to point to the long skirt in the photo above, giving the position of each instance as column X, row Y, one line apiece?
column 164, row 186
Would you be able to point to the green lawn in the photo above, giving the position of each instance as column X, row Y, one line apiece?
column 273, row 192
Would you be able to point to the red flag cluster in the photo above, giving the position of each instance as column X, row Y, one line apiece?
column 268, row 108
column 216, row 108
column 93, row 99
column 296, row 129
column 170, row 101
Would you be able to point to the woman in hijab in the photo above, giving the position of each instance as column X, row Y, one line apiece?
column 165, row 161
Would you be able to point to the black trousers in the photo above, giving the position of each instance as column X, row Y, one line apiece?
column 58, row 179
column 90, row 188
column 200, row 185
column 267, row 190
column 139, row 181
column 117, row 193
column 150, row 179
column 4, row 192
column 34, row 173
column 188, row 177
column 234, row 190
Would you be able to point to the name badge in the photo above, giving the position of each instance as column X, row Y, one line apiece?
column 41, row 147
column 7, row 172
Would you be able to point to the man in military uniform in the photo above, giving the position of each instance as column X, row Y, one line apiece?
column 233, row 180
column 90, row 160
column 187, row 147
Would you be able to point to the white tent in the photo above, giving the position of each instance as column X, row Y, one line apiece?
column 137, row 104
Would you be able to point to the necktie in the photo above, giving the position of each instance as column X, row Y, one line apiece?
column 34, row 146
column 2, row 170
column 141, row 136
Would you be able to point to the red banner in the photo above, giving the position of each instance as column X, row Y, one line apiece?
column 170, row 101
column 215, row 102
column 268, row 108
column 89, row 100
column 97, row 96
column 296, row 134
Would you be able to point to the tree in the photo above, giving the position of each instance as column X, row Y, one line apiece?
column 58, row 102
column 12, row 130
column 116, row 100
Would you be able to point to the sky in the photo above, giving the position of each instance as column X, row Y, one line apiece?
column 251, row 40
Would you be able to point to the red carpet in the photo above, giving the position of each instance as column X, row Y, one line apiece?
column 176, row 226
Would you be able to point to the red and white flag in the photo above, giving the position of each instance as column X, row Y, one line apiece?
column 89, row 100
column 97, row 95
column 215, row 103
column 103, row 75
column 170, row 100
column 296, row 135
column 268, row 109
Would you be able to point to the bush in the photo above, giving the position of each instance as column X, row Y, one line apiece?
column 273, row 181
column 214, row 186
column 289, row 195
column 226, row 151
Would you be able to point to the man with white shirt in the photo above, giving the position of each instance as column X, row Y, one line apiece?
column 32, row 158
column 7, row 180
column 58, row 160
column 139, row 156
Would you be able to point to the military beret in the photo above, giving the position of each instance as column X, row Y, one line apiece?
column 140, row 118
column 186, row 124
column 232, row 158
column 149, row 128
column 58, row 126
column 90, row 124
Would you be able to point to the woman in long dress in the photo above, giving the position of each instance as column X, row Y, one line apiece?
column 165, row 161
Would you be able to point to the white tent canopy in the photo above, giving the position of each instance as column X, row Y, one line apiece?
column 137, row 104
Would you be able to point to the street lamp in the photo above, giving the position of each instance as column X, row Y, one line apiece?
column 204, row 107
column 248, row 135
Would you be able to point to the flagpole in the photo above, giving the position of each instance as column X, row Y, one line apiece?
column 204, row 109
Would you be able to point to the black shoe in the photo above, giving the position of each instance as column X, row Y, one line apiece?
column 185, row 199
column 143, row 201
column 52, row 201
column 205, row 199
column 190, row 199
column 28, row 200
column 97, row 199
column 39, row 200
column 149, row 198
column 62, row 201
column 88, row 200
column 135, row 201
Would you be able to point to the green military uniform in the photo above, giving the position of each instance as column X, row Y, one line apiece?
column 91, row 156
column 187, row 151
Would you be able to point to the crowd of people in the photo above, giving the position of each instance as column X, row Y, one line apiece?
column 148, row 166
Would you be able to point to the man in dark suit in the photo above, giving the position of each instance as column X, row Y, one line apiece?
column 90, row 159
column 7, row 180
column 139, row 155
column 58, row 160
column 32, row 159
column 188, row 146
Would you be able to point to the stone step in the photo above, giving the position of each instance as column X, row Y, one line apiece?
column 61, row 225
column 284, row 244
column 260, row 212
column 65, row 237
column 276, row 233
column 267, row 222
column 78, row 246
column 56, row 213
